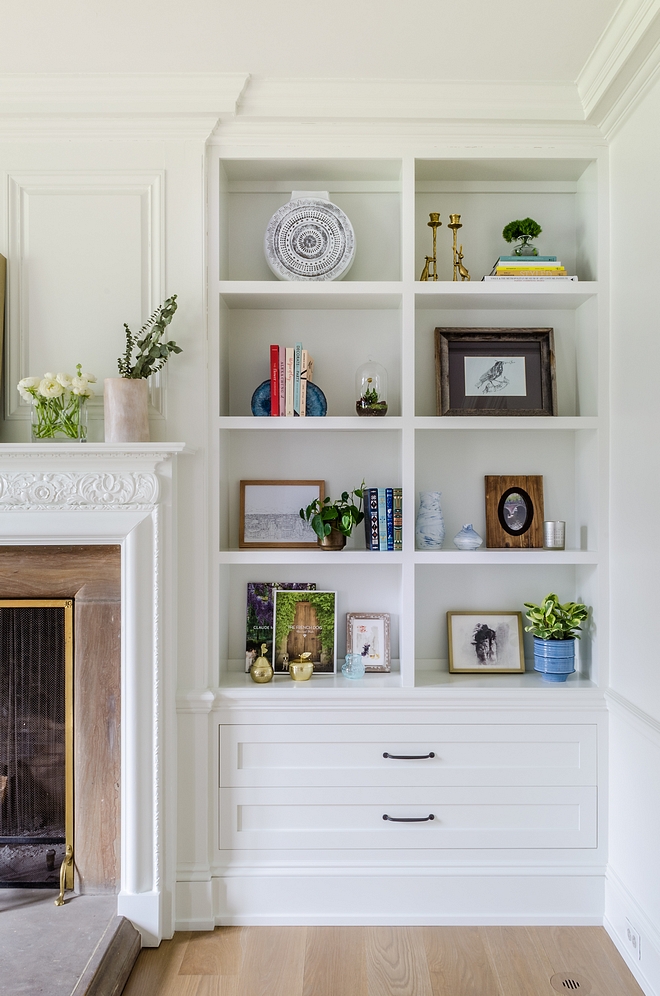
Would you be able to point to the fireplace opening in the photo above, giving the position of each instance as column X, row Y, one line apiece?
column 36, row 741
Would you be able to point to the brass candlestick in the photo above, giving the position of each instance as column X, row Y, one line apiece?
column 459, row 269
column 434, row 224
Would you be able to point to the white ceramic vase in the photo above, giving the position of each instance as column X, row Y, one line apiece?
column 126, row 416
column 430, row 525
column 468, row 538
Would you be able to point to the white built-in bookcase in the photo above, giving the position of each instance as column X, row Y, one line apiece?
column 381, row 310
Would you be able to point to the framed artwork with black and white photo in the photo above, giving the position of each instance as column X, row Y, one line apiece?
column 483, row 642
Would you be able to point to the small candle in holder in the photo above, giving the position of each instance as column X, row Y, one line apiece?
column 554, row 535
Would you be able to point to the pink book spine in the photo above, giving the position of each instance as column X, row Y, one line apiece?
column 282, row 381
column 275, row 380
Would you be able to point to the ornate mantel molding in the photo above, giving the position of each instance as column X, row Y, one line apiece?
column 76, row 491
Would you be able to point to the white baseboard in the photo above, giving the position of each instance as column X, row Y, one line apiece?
column 512, row 899
column 619, row 907
column 194, row 906
column 144, row 911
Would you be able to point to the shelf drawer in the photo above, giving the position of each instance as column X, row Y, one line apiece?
column 547, row 817
column 345, row 756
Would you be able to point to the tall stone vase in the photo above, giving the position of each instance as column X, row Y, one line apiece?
column 125, row 403
column 430, row 524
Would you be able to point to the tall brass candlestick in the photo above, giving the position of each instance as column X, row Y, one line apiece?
column 434, row 224
column 455, row 224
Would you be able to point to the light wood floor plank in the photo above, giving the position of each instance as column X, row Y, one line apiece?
column 214, row 952
column 589, row 952
column 396, row 962
column 157, row 968
column 335, row 962
column 458, row 962
column 520, row 967
column 217, row 985
column 273, row 962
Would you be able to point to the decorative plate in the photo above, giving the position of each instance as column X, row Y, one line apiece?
column 309, row 239
column 316, row 403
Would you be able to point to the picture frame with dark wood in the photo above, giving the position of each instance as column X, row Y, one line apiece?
column 368, row 634
column 269, row 517
column 485, row 642
column 514, row 512
column 495, row 371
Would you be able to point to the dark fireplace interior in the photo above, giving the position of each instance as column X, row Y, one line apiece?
column 32, row 745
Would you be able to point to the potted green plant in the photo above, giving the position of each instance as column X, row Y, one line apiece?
column 333, row 521
column 555, row 628
column 522, row 231
column 125, row 397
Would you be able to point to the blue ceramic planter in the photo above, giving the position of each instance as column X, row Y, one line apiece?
column 555, row 659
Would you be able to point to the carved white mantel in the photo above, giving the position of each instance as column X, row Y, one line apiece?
column 75, row 493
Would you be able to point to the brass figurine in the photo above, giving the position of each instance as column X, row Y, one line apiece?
column 459, row 269
column 262, row 671
column 428, row 273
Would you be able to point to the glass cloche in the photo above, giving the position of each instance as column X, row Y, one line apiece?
column 371, row 389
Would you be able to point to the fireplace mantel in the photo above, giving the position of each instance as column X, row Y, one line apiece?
column 73, row 493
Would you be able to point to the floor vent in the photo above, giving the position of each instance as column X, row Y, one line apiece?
column 570, row 982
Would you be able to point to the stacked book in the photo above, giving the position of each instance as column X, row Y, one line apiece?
column 291, row 369
column 528, row 268
column 383, row 518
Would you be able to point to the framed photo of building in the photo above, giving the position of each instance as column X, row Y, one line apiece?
column 270, row 515
column 493, row 371
column 368, row 634
column 481, row 642
column 305, row 622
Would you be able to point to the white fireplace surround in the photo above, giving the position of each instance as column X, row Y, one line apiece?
column 72, row 493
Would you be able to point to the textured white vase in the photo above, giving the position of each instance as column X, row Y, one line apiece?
column 430, row 525
column 125, row 402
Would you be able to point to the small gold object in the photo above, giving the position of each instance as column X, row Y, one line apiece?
column 66, row 862
column 302, row 668
column 429, row 273
column 261, row 671
column 459, row 270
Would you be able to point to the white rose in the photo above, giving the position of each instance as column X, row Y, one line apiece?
column 50, row 376
column 50, row 387
column 89, row 377
column 64, row 379
column 80, row 386
column 27, row 386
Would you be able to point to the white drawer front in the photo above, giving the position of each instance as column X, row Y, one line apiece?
column 352, row 756
column 268, row 818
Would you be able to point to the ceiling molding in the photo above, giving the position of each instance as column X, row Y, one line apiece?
column 410, row 99
column 623, row 65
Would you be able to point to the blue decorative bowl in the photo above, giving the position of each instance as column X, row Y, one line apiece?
column 554, row 659
column 317, row 406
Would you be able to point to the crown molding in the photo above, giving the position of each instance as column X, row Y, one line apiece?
column 410, row 99
column 623, row 64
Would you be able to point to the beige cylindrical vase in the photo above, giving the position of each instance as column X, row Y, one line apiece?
column 126, row 416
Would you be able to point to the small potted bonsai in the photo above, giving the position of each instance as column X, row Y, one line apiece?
column 522, row 232
column 555, row 628
column 333, row 521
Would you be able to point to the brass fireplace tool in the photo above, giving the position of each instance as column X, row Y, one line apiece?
column 459, row 269
column 434, row 224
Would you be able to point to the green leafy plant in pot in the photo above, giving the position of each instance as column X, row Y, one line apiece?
column 333, row 521
column 555, row 628
column 125, row 397
column 522, row 231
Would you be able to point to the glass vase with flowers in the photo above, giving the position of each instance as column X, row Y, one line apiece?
column 59, row 405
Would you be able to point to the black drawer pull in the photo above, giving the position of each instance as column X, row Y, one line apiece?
column 409, row 819
column 409, row 757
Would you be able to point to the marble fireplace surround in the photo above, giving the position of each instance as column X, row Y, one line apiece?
column 88, row 494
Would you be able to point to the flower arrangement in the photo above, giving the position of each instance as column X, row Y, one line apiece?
column 58, row 403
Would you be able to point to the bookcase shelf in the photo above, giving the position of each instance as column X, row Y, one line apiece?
column 382, row 310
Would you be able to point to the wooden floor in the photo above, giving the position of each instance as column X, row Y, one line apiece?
column 381, row 961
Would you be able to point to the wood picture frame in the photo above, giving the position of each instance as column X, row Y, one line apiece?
column 489, row 642
column 269, row 516
column 368, row 634
column 514, row 512
column 512, row 371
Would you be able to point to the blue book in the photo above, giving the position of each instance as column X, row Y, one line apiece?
column 371, row 518
column 297, row 364
column 382, row 519
column 389, row 514
column 531, row 259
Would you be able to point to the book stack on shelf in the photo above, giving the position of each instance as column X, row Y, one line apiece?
column 529, row 268
column 383, row 518
column 291, row 369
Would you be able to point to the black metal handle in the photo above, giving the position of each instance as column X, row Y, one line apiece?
column 409, row 819
column 409, row 757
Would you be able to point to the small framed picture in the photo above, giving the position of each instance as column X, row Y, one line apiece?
column 305, row 622
column 270, row 514
column 514, row 512
column 485, row 641
column 495, row 371
column 368, row 634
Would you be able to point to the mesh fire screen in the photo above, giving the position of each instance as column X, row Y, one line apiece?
column 35, row 661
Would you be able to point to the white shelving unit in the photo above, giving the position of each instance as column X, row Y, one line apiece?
column 382, row 310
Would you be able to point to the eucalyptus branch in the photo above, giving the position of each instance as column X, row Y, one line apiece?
column 152, row 353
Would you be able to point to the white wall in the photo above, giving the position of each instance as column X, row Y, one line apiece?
column 634, row 880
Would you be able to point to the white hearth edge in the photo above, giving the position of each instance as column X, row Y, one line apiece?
column 82, row 493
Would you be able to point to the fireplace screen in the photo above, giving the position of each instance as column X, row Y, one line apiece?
column 36, row 740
